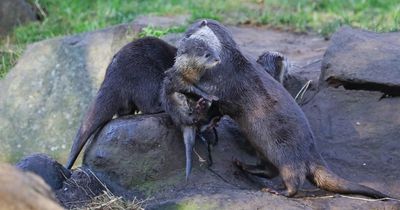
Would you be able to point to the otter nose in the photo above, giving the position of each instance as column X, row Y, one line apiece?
column 217, row 60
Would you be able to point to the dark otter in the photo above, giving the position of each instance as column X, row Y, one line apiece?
column 132, row 83
column 193, row 58
column 269, row 117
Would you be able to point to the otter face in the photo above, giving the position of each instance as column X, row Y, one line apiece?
column 201, row 30
column 196, row 53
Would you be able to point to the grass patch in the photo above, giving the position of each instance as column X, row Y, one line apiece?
column 325, row 16
column 64, row 17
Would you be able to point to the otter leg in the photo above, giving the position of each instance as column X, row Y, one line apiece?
column 264, row 169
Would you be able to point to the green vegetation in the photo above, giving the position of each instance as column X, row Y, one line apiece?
column 63, row 17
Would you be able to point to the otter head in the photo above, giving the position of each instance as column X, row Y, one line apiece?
column 201, row 30
column 196, row 53
column 275, row 64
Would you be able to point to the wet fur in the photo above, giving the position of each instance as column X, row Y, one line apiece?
column 271, row 120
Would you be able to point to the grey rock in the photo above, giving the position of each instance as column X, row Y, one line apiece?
column 14, row 13
column 357, row 134
column 359, row 59
column 53, row 173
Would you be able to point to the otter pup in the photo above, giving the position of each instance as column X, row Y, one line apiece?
column 193, row 58
column 269, row 117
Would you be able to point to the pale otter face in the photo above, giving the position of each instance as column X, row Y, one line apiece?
column 196, row 53
column 202, row 31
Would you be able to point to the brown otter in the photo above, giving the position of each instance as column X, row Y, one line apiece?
column 269, row 117
column 193, row 58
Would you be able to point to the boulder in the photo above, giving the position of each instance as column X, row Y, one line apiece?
column 52, row 172
column 24, row 190
column 14, row 13
column 363, row 60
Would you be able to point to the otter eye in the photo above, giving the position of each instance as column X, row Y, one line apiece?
column 207, row 55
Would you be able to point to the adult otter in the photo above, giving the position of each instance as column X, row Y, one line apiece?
column 193, row 58
column 132, row 83
column 269, row 117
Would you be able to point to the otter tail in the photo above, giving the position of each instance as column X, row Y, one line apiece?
column 99, row 113
column 189, row 137
column 325, row 179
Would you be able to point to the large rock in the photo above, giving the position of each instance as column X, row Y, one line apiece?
column 24, row 190
column 14, row 13
column 364, row 60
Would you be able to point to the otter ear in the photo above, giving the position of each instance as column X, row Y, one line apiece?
column 203, row 23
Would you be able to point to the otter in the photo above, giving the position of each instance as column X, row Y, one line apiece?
column 132, row 83
column 193, row 58
column 268, row 116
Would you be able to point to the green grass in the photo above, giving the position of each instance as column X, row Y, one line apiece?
column 64, row 17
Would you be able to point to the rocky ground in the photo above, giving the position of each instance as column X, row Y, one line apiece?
column 352, row 105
